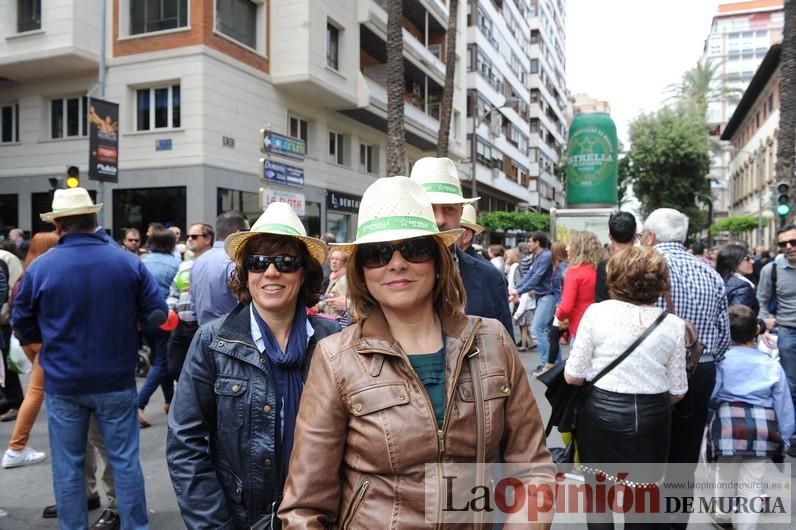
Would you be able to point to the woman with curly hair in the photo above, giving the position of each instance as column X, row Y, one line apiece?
column 231, row 426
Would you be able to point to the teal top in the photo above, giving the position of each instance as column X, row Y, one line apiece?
column 430, row 369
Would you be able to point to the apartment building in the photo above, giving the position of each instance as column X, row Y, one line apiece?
column 584, row 103
column 516, row 102
column 752, row 133
column 196, row 80
column 740, row 36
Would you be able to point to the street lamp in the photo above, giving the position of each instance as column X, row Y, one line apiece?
column 477, row 120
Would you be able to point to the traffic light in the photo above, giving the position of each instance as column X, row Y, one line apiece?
column 72, row 177
column 784, row 204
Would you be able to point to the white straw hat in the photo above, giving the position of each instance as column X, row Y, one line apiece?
column 395, row 208
column 439, row 178
column 278, row 219
column 469, row 219
column 72, row 201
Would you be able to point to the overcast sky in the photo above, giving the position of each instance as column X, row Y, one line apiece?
column 629, row 51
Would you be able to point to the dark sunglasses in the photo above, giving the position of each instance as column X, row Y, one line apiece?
column 417, row 250
column 195, row 236
column 260, row 263
column 783, row 244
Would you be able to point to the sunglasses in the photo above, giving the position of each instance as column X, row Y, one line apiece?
column 783, row 244
column 417, row 250
column 260, row 263
column 195, row 236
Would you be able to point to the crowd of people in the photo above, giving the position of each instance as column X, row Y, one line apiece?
column 308, row 384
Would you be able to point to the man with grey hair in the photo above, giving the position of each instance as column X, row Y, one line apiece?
column 698, row 295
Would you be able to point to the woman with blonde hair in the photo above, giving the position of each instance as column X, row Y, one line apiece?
column 334, row 301
column 414, row 382
column 585, row 252
column 18, row 454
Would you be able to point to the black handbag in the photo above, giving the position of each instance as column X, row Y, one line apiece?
column 565, row 399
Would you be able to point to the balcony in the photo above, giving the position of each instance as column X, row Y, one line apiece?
column 63, row 43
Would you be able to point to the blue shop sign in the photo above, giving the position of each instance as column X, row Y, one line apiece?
column 280, row 144
column 282, row 173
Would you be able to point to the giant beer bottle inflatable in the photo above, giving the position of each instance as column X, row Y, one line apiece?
column 592, row 153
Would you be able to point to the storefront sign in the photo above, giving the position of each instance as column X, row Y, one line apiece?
column 103, row 141
column 279, row 144
column 342, row 202
column 282, row 173
column 295, row 200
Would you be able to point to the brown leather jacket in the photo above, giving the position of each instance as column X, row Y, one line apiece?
column 366, row 427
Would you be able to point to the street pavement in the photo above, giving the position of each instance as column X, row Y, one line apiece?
column 26, row 490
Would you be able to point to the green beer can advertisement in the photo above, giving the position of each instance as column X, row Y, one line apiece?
column 592, row 161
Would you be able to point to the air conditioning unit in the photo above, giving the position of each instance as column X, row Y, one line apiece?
column 495, row 172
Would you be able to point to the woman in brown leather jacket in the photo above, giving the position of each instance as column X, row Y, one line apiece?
column 392, row 398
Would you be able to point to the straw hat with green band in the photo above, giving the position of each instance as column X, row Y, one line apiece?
column 395, row 208
column 470, row 219
column 281, row 220
column 438, row 176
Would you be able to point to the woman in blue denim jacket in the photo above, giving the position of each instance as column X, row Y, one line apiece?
column 231, row 426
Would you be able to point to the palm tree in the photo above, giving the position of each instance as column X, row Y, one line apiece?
column 450, row 71
column 396, row 139
column 704, row 84
column 786, row 137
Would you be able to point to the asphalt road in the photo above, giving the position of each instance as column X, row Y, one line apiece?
column 26, row 490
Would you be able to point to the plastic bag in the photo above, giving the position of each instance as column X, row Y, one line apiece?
column 17, row 360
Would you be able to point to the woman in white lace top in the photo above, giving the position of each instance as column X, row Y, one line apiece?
column 625, row 418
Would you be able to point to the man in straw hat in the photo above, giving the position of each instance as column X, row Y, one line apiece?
column 471, row 229
column 81, row 300
column 487, row 290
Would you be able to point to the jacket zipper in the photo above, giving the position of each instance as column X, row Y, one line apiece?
column 358, row 498
column 440, row 432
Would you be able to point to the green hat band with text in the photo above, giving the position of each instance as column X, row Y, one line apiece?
column 397, row 223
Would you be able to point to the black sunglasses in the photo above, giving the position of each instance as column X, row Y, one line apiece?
column 417, row 250
column 783, row 244
column 195, row 236
column 260, row 263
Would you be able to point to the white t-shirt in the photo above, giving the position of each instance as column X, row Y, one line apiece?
column 657, row 365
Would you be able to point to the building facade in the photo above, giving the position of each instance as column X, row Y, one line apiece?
column 752, row 133
column 516, row 105
column 740, row 35
column 196, row 81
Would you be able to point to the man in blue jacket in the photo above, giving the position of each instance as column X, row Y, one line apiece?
column 82, row 300
column 538, row 281
column 486, row 287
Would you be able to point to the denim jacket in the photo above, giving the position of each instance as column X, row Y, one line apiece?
column 220, row 451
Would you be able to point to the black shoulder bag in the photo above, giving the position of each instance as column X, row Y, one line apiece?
column 565, row 398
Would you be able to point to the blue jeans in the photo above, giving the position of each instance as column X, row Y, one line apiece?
column 158, row 341
column 117, row 417
column 786, row 343
column 542, row 320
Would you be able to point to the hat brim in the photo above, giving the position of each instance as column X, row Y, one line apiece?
column 235, row 242
column 67, row 212
column 448, row 238
column 443, row 197
column 472, row 226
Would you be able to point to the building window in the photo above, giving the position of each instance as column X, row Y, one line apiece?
column 147, row 16
column 368, row 158
column 534, row 66
column 336, row 147
column 157, row 108
column 68, row 117
column 9, row 123
column 237, row 19
column 299, row 128
column 28, row 15
column 332, row 46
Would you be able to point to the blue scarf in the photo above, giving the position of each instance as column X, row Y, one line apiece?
column 286, row 371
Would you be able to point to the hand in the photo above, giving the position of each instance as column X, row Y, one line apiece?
column 563, row 324
column 771, row 322
column 769, row 341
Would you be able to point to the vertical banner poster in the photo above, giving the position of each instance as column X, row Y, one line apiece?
column 103, row 140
